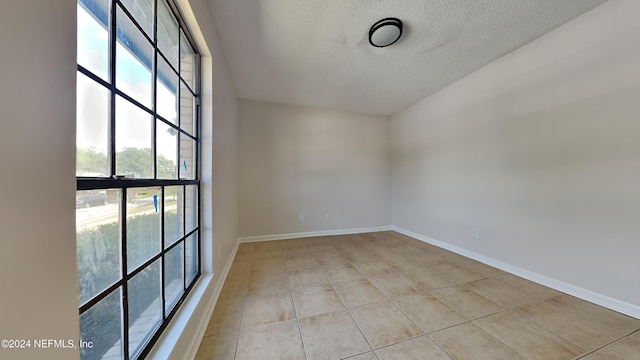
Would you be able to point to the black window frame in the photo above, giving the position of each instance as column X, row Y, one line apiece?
column 123, row 183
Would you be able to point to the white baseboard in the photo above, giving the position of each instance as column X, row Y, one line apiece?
column 210, row 305
column 588, row 295
column 312, row 234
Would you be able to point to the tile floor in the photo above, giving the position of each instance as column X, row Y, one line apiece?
column 382, row 296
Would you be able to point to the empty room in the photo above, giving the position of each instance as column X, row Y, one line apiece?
column 359, row 179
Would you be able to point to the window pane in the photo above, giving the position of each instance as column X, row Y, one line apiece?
column 173, row 213
column 145, row 306
column 134, row 59
column 142, row 11
column 187, row 113
column 173, row 279
column 92, row 128
column 187, row 157
column 187, row 61
column 101, row 325
column 97, row 241
column 133, row 140
column 167, row 33
column 166, row 87
column 191, row 207
column 166, row 151
column 93, row 37
column 143, row 225
column 191, row 257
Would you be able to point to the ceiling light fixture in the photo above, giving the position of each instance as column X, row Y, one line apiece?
column 385, row 32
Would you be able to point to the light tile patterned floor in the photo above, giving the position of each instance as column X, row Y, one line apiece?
column 383, row 296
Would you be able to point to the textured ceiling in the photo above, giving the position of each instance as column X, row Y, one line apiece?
column 316, row 52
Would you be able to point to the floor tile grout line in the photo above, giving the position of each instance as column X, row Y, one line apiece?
column 535, row 325
column 448, row 327
column 415, row 323
column 388, row 299
column 488, row 315
column 607, row 344
column 408, row 317
column 492, row 336
column 244, row 302
column 585, row 353
column 502, row 342
column 471, row 321
column 401, row 341
column 541, row 327
column 295, row 310
column 465, row 285
column 441, row 347
column 460, row 311
column 359, row 329
column 346, row 309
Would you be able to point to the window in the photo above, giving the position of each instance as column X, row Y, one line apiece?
column 137, row 204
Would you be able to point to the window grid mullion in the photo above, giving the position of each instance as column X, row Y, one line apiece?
column 112, row 85
column 179, row 117
column 125, row 275
column 98, row 297
column 197, row 175
column 123, row 193
column 134, row 21
column 166, row 59
column 186, row 84
column 154, row 92
column 196, row 125
column 184, row 236
column 164, row 252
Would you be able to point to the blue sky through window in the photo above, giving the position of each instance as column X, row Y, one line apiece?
column 134, row 78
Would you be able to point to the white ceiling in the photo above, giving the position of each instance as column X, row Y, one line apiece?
column 316, row 52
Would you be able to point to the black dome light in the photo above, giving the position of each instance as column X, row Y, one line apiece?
column 385, row 32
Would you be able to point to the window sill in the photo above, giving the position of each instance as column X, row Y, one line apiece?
column 181, row 338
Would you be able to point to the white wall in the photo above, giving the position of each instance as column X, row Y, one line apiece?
column 38, row 296
column 305, row 160
column 219, row 146
column 540, row 151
